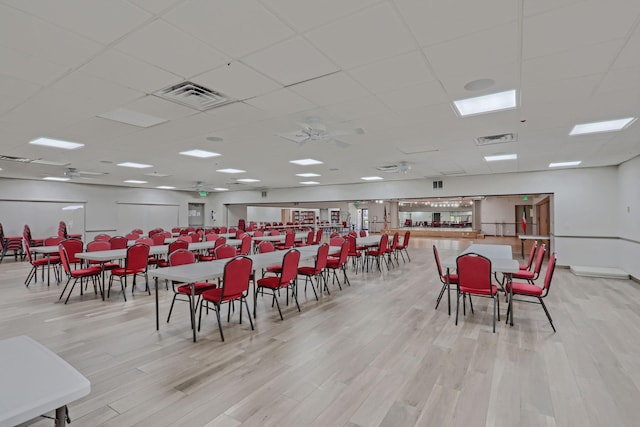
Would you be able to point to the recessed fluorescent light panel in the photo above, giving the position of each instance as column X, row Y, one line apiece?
column 487, row 103
column 564, row 164
column 309, row 182
column 56, row 143
column 132, row 118
column 306, row 162
column 371, row 178
column 220, row 189
column 230, row 170
column 134, row 165
column 307, row 175
column 248, row 180
column 597, row 127
column 199, row 153
column 135, row 181
column 56, row 178
column 165, row 187
column 72, row 207
column 499, row 157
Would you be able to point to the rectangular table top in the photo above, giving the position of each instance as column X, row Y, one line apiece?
column 532, row 237
column 34, row 380
column 501, row 257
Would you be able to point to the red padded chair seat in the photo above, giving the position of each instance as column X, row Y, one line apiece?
column 205, row 258
column 526, row 275
column 525, row 289
column 374, row 253
column 272, row 282
column 199, row 287
column 333, row 262
column 44, row 261
column 524, row 267
column 307, row 270
column 215, row 295
column 83, row 272
column 476, row 291
column 453, row 278
column 121, row 271
column 274, row 269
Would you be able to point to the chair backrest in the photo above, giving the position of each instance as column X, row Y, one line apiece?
column 176, row 245
column 72, row 247
column 334, row 234
column 394, row 241
column 210, row 237
column 289, row 267
column 119, row 242
column 132, row 236
column 551, row 266
column 318, row 237
column 245, row 246
column 274, row 233
column 258, row 233
column 353, row 247
column 237, row 274
column 405, row 241
column 195, row 237
column 145, row 240
column 311, row 236
column 321, row 258
column 53, row 241
column 181, row 257
column 185, row 238
column 344, row 253
column 363, row 233
column 102, row 237
column 532, row 254
column 384, row 243
column 336, row 241
column 98, row 245
column 289, row 239
column 137, row 257
column 158, row 238
column 539, row 258
column 27, row 232
column 437, row 257
column 64, row 259
column 137, row 231
column 225, row 251
column 474, row 272
column 219, row 242
column 26, row 248
column 223, row 230
column 265, row 246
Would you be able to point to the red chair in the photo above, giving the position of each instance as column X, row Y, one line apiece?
column 474, row 278
column 378, row 253
column 316, row 271
column 354, row 254
column 137, row 231
column 336, row 263
column 173, row 246
column 102, row 237
column 310, row 239
column 10, row 243
column 533, row 291
column 91, row 272
column 132, row 236
column 182, row 257
column 318, row 239
column 532, row 254
column 101, row 245
column 274, row 233
column 288, row 242
column 145, row 240
column 286, row 280
column 245, row 246
column 235, row 287
column 258, row 233
column 135, row 264
column 35, row 263
column 336, row 241
column 363, row 233
column 531, row 276
column 403, row 247
column 447, row 280
column 225, row 252
column 392, row 249
column 209, row 255
column 26, row 233
column 264, row 247
column 158, row 239
column 119, row 242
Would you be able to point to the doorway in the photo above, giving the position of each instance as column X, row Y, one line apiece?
column 543, row 213
column 196, row 214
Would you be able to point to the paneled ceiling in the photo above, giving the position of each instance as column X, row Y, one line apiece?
column 390, row 68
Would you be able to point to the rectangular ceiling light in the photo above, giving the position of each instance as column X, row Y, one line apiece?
column 499, row 157
column 597, row 127
column 486, row 103
column 199, row 153
column 309, row 182
column 371, row 178
column 56, row 143
column 134, row 165
column 564, row 164
column 306, row 162
column 132, row 118
column 165, row 187
column 56, row 178
column 308, row 174
column 220, row 189
column 230, row 170
column 135, row 181
column 248, row 180
column 72, row 207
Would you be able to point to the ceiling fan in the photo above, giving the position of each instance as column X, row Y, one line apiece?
column 74, row 173
column 400, row 167
column 314, row 129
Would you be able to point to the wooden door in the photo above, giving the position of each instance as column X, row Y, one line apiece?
column 543, row 212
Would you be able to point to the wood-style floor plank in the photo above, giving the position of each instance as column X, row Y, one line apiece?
column 375, row 353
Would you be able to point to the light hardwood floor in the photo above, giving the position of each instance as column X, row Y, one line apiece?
column 375, row 353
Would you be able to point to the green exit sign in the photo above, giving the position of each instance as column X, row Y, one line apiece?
column 525, row 198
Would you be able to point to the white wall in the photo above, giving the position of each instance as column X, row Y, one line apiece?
column 264, row 214
column 498, row 215
column 628, row 216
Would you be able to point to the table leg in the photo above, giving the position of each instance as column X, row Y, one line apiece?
column 61, row 417
column 510, row 281
column 522, row 248
column 193, row 309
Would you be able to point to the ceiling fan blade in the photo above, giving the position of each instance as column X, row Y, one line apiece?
column 345, row 132
column 295, row 136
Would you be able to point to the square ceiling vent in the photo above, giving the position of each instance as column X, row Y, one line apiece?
column 194, row 96
column 496, row 139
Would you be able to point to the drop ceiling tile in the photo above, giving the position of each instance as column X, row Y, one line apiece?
column 292, row 61
column 98, row 20
column 281, row 102
column 432, row 24
column 18, row 64
column 31, row 36
column 577, row 62
column 130, row 72
column 14, row 92
column 155, row 6
column 358, row 108
column 304, row 15
column 536, row 7
column 236, row 28
column 393, row 73
column 167, row 47
column 159, row 107
column 232, row 115
column 629, row 56
column 237, row 81
column 373, row 34
column 592, row 22
column 330, row 89
column 416, row 96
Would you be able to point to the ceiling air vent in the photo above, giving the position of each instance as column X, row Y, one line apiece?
column 496, row 139
column 194, row 96
column 15, row 159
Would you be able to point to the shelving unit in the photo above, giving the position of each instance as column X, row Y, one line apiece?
column 303, row 217
column 335, row 217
